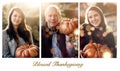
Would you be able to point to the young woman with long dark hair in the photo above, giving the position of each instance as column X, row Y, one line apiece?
column 16, row 33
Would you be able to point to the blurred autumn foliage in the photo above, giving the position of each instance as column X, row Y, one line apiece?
column 31, row 14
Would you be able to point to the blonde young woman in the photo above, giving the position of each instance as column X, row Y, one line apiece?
column 95, row 30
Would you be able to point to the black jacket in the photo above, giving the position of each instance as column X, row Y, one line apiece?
column 46, row 42
column 97, row 35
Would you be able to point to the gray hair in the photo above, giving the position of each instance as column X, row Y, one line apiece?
column 54, row 7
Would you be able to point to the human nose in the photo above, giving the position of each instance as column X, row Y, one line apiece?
column 53, row 17
column 17, row 18
column 93, row 18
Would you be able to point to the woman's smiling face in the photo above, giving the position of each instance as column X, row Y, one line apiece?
column 94, row 18
column 16, row 18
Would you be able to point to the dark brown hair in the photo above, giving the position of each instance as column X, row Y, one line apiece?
column 22, row 29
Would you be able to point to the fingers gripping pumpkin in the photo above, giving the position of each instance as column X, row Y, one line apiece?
column 27, row 51
column 93, row 50
column 67, row 26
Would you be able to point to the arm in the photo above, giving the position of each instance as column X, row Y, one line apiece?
column 31, row 38
column 109, row 40
column 5, row 48
column 84, row 38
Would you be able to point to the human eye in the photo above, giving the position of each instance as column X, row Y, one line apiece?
column 90, row 17
column 95, row 15
column 49, row 15
column 20, row 16
column 14, row 15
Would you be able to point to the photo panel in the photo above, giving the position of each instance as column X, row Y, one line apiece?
column 20, row 30
column 59, row 30
column 98, row 30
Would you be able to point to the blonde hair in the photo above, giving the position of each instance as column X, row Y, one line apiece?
column 103, row 20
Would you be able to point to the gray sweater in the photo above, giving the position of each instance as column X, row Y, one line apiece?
column 9, row 46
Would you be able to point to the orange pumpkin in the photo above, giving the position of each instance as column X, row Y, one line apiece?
column 27, row 51
column 93, row 50
column 67, row 26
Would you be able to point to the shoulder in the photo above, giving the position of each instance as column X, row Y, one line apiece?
column 108, row 34
column 109, row 31
column 44, row 26
column 4, row 32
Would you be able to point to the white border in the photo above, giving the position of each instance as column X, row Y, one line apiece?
column 93, row 64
